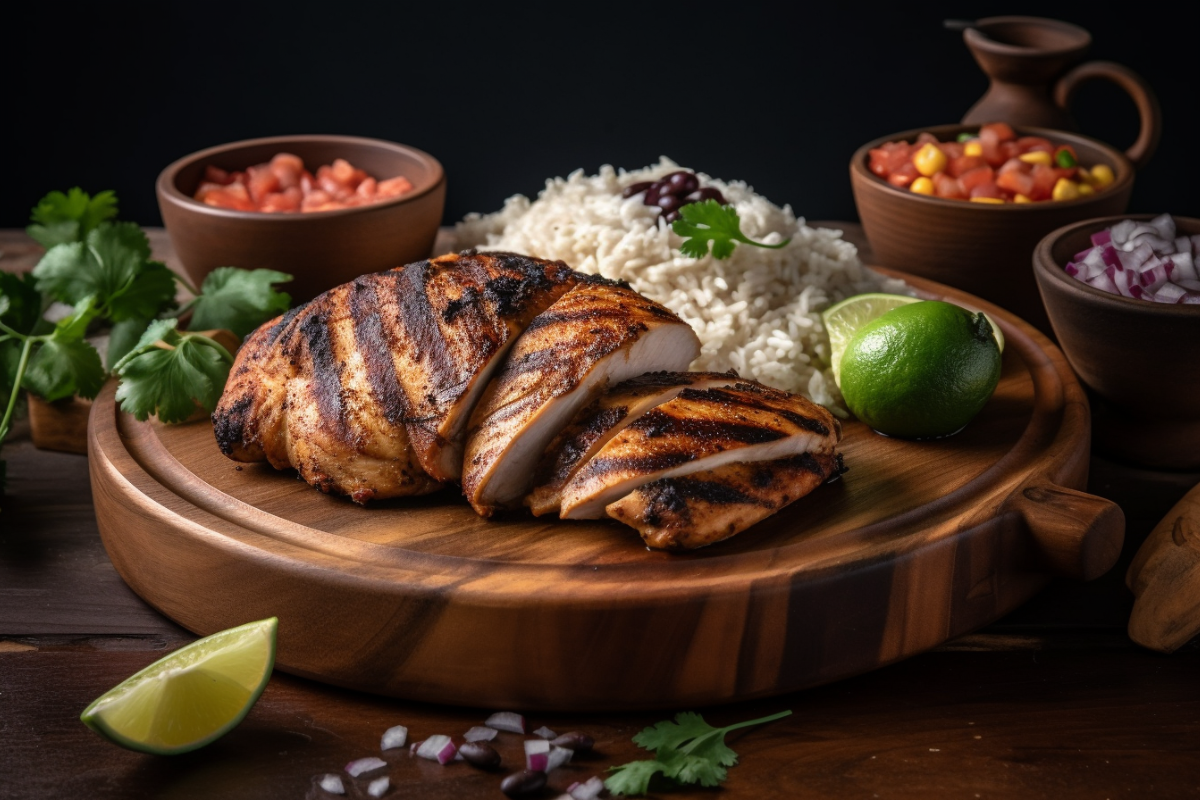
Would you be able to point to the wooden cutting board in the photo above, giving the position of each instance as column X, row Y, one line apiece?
column 917, row 543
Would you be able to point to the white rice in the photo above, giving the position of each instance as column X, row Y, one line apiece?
column 757, row 312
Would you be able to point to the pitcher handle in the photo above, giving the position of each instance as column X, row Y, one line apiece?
column 1133, row 84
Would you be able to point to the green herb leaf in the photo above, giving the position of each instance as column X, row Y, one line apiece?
column 69, row 217
column 633, row 778
column 66, row 365
column 701, row 223
column 170, row 381
column 124, row 337
column 239, row 300
column 23, row 302
column 151, row 291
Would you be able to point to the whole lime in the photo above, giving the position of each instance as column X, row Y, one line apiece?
column 922, row 370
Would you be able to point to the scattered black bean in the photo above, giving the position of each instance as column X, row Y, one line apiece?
column 707, row 193
column 652, row 195
column 636, row 188
column 668, row 203
column 479, row 754
column 574, row 740
column 527, row 781
column 682, row 182
column 671, row 216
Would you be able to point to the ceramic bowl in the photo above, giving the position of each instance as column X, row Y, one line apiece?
column 979, row 247
column 1139, row 359
column 321, row 249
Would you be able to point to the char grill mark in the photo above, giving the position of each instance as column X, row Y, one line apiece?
column 326, row 371
column 373, row 343
column 744, row 394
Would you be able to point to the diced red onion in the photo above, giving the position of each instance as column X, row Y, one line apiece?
column 437, row 748
column 1183, row 244
column 1141, row 260
column 1102, row 238
column 558, row 756
column 588, row 790
column 1169, row 293
column 332, row 784
column 1134, row 291
column 1164, row 224
column 1191, row 299
column 506, row 721
column 480, row 733
column 394, row 737
column 1071, row 269
column 1109, row 256
column 1195, row 243
column 546, row 733
column 1185, row 267
column 537, row 754
column 378, row 787
column 1120, row 232
column 1135, row 257
column 1189, row 284
column 364, row 765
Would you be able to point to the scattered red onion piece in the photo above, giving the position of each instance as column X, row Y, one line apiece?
column 557, row 757
column 412, row 748
column 537, row 754
column 378, row 787
column 364, row 765
column 588, row 790
column 394, row 737
column 506, row 721
column 332, row 784
column 546, row 733
column 437, row 748
column 480, row 733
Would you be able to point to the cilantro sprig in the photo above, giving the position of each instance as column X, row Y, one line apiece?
column 688, row 750
column 103, row 269
column 709, row 221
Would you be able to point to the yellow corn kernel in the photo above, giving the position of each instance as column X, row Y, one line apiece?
column 929, row 160
column 1021, row 199
column 973, row 148
column 1036, row 157
column 1065, row 190
column 1102, row 175
column 922, row 185
column 1086, row 190
column 986, row 200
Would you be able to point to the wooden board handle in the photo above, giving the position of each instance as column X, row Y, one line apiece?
column 1165, row 579
column 1080, row 535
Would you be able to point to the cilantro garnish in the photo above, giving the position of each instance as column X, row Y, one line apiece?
column 103, row 269
column 688, row 750
column 701, row 223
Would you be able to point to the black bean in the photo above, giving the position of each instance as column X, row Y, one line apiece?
column 669, row 202
column 682, row 183
column 527, row 781
column 636, row 188
column 707, row 193
column 574, row 740
column 652, row 195
column 479, row 754
column 672, row 216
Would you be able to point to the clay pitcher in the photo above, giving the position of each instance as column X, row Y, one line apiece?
column 1029, row 61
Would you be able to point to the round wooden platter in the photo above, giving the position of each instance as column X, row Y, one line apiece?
column 917, row 543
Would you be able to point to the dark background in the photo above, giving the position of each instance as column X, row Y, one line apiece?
column 507, row 95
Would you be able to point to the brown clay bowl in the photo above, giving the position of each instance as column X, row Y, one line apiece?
column 321, row 249
column 1139, row 359
column 981, row 248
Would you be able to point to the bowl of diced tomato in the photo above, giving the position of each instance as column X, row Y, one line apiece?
column 967, row 205
column 324, row 209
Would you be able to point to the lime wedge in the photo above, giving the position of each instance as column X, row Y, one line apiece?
column 842, row 320
column 191, row 697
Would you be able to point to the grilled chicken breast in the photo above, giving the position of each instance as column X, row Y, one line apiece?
column 366, row 390
column 696, row 510
column 700, row 430
column 599, row 333
column 606, row 416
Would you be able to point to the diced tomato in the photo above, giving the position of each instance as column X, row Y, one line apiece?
column 366, row 188
column 1001, row 130
column 1014, row 177
column 262, row 182
column 904, row 175
column 234, row 196
column 975, row 177
column 287, row 200
column 945, row 186
column 1044, row 179
column 952, row 150
column 1031, row 144
column 288, row 169
column 217, row 175
column 963, row 164
column 1009, row 150
column 989, row 189
column 342, row 171
column 394, row 187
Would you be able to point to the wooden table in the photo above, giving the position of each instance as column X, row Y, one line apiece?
column 1053, row 701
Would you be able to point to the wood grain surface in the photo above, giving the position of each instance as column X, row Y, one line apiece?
column 919, row 542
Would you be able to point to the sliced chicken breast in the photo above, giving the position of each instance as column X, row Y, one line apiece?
column 696, row 510
column 447, row 324
column 599, row 333
column 606, row 416
column 700, row 430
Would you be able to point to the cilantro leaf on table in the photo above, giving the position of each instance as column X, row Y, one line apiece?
column 688, row 750
column 150, row 292
column 169, row 381
column 709, row 221
column 59, row 218
column 65, row 365
column 122, row 338
column 239, row 300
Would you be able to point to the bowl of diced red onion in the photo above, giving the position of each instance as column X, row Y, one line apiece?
column 1123, row 297
column 322, row 208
